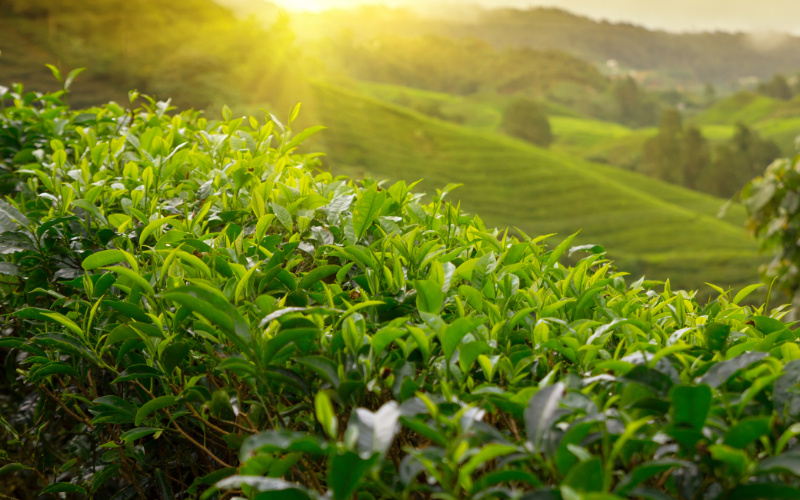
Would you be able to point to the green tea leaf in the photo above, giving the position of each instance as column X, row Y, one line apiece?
column 456, row 331
column 13, row 467
column 366, row 209
column 108, row 257
column 541, row 413
column 138, row 433
column 63, row 488
column 132, row 276
column 152, row 406
column 316, row 275
column 690, row 405
column 325, row 415
column 346, row 471
column 162, row 484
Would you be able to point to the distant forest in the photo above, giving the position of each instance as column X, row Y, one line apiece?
column 718, row 58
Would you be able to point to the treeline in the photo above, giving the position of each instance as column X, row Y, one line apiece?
column 681, row 155
column 690, row 58
column 780, row 87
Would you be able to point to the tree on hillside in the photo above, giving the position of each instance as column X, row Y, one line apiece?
column 720, row 178
column 633, row 106
column 681, row 155
column 676, row 155
column 526, row 120
column 777, row 88
column 662, row 153
column 696, row 155
column 745, row 156
column 757, row 152
column 772, row 203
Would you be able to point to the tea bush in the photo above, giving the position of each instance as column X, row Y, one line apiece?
column 772, row 201
column 193, row 309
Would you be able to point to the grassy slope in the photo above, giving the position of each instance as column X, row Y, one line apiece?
column 744, row 107
column 573, row 133
column 777, row 120
column 578, row 134
column 656, row 229
column 592, row 140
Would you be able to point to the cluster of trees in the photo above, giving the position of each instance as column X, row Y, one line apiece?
column 682, row 155
column 779, row 87
column 526, row 120
column 632, row 105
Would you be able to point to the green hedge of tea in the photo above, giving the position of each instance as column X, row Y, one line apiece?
column 192, row 309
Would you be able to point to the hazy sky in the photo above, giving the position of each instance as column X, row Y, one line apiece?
column 672, row 15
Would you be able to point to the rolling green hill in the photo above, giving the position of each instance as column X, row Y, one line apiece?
column 651, row 226
column 742, row 107
column 596, row 140
column 573, row 133
column 772, row 118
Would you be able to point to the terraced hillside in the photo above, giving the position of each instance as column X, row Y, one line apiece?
column 651, row 226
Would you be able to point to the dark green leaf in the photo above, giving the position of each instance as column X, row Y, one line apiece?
column 346, row 470
column 216, row 310
column 746, row 431
column 456, row 331
column 152, row 406
column 645, row 471
column 14, row 467
column 138, row 433
column 315, row 275
column 163, row 487
column 63, row 488
column 323, row 367
column 690, row 405
column 137, row 372
column 724, row 370
column 542, row 413
column 586, row 476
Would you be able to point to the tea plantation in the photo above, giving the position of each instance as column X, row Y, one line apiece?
column 192, row 309
column 649, row 227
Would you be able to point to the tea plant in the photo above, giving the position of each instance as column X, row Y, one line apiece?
column 193, row 309
column 772, row 202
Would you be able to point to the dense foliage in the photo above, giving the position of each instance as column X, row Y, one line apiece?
column 191, row 306
column 526, row 120
column 681, row 155
column 779, row 88
column 677, row 155
column 772, row 201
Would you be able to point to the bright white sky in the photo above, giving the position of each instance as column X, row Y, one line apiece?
column 672, row 15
